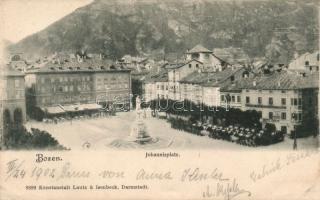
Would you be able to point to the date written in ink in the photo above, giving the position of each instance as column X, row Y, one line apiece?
column 16, row 170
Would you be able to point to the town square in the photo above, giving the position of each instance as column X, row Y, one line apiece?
column 182, row 81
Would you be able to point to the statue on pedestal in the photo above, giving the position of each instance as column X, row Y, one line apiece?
column 139, row 130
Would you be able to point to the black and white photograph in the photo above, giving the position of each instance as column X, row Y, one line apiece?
column 160, row 77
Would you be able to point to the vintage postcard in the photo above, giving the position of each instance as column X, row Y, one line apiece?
column 159, row 99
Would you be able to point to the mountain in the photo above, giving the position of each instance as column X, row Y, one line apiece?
column 275, row 29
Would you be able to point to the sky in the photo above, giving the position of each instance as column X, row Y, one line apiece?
column 20, row 18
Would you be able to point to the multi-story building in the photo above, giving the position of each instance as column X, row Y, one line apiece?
column 198, row 59
column 191, row 87
column 214, row 88
column 178, row 73
column 77, row 86
column 112, row 86
column 13, row 104
column 279, row 98
column 156, row 86
column 205, row 56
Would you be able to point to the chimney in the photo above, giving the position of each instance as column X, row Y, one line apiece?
column 279, row 84
column 100, row 56
column 254, row 83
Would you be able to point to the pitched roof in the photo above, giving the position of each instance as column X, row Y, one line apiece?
column 161, row 76
column 183, row 64
column 173, row 65
column 198, row 77
column 199, row 49
column 223, row 75
column 211, row 78
column 227, row 86
column 281, row 81
column 88, row 65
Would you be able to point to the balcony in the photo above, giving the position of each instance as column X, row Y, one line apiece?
column 264, row 106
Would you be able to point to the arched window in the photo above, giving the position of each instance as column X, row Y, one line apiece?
column 17, row 116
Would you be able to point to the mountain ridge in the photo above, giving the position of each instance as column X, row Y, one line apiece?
column 275, row 30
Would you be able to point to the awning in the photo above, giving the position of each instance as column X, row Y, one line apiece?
column 72, row 108
column 81, row 107
column 53, row 109
column 91, row 106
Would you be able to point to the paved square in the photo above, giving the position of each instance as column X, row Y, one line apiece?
column 103, row 133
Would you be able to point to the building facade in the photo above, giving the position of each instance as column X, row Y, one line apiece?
column 13, row 103
column 214, row 88
column 276, row 106
column 205, row 56
column 113, row 87
column 58, row 86
column 281, row 98
column 198, row 59
column 176, row 74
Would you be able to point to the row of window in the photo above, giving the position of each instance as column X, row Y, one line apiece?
column 85, row 87
column 162, row 87
column 69, row 88
column 68, row 99
column 294, row 101
column 113, row 78
column 78, row 78
column 271, row 91
column 66, row 79
column 190, row 65
column 294, row 116
column 231, row 98
column 109, row 86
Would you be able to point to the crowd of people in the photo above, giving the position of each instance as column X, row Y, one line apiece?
column 240, row 135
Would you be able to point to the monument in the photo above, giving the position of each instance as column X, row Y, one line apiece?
column 139, row 131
